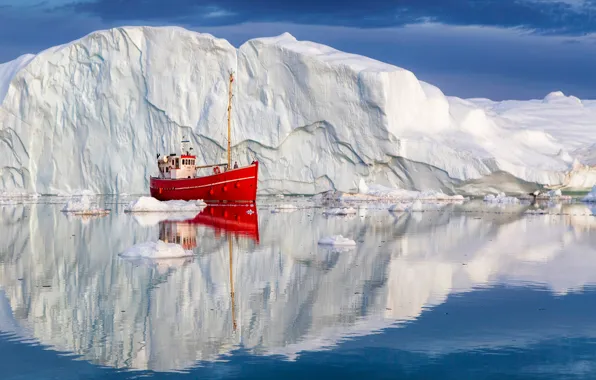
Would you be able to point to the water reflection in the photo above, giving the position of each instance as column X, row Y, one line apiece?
column 260, row 281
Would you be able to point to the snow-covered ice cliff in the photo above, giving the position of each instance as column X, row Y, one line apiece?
column 91, row 114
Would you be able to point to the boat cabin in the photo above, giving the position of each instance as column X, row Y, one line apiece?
column 178, row 166
column 181, row 233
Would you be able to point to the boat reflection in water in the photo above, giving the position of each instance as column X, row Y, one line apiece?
column 231, row 220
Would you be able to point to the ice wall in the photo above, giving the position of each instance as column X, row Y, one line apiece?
column 91, row 114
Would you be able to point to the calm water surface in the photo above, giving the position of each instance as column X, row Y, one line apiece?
column 461, row 292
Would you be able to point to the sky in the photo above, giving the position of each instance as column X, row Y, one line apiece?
column 497, row 49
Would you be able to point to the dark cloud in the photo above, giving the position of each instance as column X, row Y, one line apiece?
column 462, row 59
column 546, row 16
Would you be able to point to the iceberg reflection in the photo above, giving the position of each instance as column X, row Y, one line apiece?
column 260, row 281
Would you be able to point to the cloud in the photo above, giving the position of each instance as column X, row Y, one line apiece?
column 544, row 16
column 463, row 60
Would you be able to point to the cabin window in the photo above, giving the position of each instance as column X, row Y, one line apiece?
column 167, row 170
column 177, row 163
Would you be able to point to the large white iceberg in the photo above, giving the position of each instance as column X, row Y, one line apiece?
column 93, row 113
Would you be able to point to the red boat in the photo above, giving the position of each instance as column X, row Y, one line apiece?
column 179, row 178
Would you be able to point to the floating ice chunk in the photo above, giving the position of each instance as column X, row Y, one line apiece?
column 83, row 205
column 284, row 208
column 156, row 250
column 150, row 204
column 341, row 211
column 591, row 197
column 500, row 198
column 337, row 240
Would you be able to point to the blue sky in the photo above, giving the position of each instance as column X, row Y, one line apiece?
column 500, row 49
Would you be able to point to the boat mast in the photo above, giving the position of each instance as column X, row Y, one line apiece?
column 231, row 281
column 230, row 123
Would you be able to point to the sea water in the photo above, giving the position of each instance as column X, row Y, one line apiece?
column 456, row 291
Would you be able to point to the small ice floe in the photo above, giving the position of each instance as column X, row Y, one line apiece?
column 83, row 205
column 150, row 204
column 501, row 198
column 284, row 208
column 156, row 250
column 341, row 211
column 337, row 240
column 591, row 197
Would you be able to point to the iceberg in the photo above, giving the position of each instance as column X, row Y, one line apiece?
column 94, row 112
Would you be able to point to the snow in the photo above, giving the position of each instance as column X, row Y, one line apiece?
column 591, row 197
column 83, row 205
column 317, row 119
column 337, row 240
column 156, row 250
column 150, row 204
column 8, row 71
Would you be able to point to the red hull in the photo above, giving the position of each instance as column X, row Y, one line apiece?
column 236, row 185
column 241, row 220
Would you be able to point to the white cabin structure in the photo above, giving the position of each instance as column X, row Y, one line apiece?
column 184, row 166
column 178, row 166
